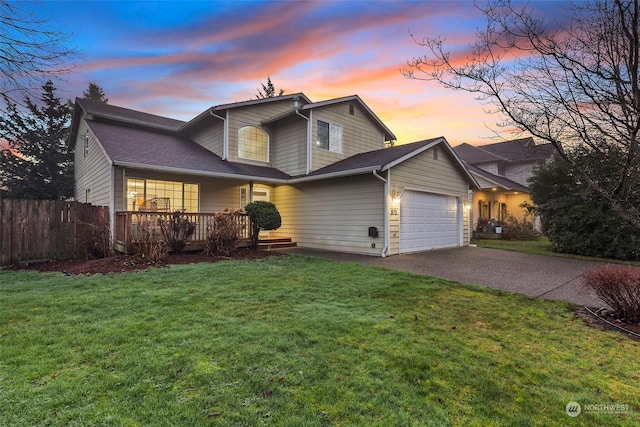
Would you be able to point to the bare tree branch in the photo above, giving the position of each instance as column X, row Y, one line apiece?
column 32, row 51
column 575, row 85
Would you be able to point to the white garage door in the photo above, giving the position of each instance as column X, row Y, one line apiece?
column 428, row 221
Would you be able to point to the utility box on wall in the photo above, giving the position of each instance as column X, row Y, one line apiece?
column 373, row 231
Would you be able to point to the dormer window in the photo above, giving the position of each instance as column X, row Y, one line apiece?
column 253, row 144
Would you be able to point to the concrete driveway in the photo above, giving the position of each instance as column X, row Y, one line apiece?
column 537, row 276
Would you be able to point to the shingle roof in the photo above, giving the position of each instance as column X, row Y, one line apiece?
column 373, row 159
column 474, row 155
column 517, row 150
column 500, row 181
column 105, row 110
column 135, row 147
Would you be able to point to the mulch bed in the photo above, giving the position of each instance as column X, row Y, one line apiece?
column 124, row 263
column 610, row 317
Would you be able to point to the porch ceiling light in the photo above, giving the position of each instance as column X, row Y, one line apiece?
column 494, row 189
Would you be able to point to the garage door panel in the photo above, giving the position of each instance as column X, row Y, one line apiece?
column 428, row 221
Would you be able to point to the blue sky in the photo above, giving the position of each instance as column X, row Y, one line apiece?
column 177, row 58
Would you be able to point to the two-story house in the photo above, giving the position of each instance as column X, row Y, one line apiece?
column 503, row 170
column 327, row 166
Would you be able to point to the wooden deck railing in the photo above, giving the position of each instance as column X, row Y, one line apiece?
column 129, row 224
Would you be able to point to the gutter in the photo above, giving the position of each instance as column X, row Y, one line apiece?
column 309, row 144
column 338, row 174
column 201, row 173
column 387, row 239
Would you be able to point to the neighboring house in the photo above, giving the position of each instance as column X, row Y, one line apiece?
column 324, row 165
column 502, row 170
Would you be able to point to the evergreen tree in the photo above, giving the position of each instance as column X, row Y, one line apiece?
column 268, row 91
column 574, row 217
column 36, row 161
column 96, row 93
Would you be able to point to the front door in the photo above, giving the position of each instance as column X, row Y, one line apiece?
column 261, row 195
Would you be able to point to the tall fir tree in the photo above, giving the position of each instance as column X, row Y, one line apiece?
column 268, row 90
column 95, row 93
column 36, row 161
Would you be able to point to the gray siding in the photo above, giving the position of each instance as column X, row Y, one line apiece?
column 359, row 133
column 520, row 172
column 92, row 172
column 253, row 116
column 289, row 145
column 333, row 214
column 211, row 138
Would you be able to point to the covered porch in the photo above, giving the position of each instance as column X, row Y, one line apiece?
column 131, row 226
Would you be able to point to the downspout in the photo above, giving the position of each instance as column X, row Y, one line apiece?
column 225, row 134
column 308, row 119
column 385, row 250
column 309, row 145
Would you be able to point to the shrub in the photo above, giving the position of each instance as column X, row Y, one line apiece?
column 149, row 243
column 224, row 234
column 95, row 234
column 618, row 286
column 177, row 229
column 577, row 220
column 515, row 229
column 264, row 215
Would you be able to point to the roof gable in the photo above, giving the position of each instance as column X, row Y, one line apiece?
column 147, row 149
column 389, row 136
column 387, row 158
column 497, row 180
column 514, row 151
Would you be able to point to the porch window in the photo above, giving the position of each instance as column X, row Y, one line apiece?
column 253, row 144
column 151, row 194
column 329, row 137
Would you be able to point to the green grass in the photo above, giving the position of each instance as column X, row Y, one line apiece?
column 299, row 341
column 540, row 246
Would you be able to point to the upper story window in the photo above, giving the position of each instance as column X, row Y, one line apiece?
column 253, row 143
column 86, row 143
column 329, row 137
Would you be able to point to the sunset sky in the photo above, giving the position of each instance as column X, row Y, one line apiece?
column 177, row 58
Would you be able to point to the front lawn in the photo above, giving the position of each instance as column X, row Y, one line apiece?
column 300, row 341
column 539, row 246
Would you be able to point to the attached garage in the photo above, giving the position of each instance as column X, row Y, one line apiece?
column 429, row 221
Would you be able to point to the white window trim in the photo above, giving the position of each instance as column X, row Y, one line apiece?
column 334, row 130
column 144, row 195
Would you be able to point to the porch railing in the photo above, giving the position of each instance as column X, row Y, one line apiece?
column 128, row 227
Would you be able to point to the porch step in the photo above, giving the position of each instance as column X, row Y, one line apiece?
column 276, row 242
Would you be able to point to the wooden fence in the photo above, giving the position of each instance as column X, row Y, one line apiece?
column 32, row 230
